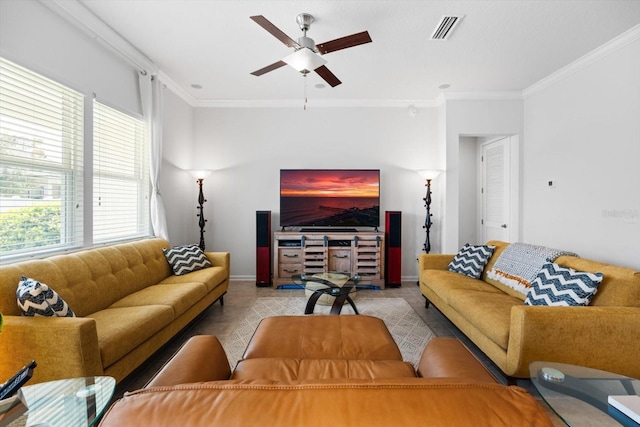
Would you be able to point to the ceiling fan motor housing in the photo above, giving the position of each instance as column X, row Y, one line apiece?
column 307, row 42
column 304, row 20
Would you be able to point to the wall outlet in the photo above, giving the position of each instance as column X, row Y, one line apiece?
column 551, row 184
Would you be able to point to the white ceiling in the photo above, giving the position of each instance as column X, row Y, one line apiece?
column 499, row 46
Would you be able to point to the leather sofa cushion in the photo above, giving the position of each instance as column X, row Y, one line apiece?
column 121, row 330
column 287, row 370
column 449, row 358
column 201, row 358
column 402, row 402
column 322, row 337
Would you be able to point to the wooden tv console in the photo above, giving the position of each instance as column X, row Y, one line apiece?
column 359, row 252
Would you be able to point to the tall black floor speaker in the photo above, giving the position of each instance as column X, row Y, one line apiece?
column 393, row 249
column 263, row 248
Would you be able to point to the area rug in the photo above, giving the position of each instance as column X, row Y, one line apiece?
column 407, row 328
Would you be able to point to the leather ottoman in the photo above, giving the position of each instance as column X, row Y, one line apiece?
column 296, row 348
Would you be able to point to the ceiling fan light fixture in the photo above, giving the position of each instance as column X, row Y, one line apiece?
column 304, row 60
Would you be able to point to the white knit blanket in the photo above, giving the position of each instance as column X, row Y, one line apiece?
column 520, row 263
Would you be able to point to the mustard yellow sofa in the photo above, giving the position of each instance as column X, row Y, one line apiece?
column 127, row 304
column 604, row 335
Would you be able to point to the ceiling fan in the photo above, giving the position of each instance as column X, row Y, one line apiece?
column 307, row 56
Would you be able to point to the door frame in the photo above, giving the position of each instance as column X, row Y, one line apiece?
column 514, row 184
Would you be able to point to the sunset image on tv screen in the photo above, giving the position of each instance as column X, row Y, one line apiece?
column 329, row 197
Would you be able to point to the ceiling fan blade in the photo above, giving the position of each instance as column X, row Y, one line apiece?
column 275, row 31
column 344, row 42
column 327, row 75
column 268, row 68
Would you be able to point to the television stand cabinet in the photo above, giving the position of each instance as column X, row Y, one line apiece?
column 355, row 253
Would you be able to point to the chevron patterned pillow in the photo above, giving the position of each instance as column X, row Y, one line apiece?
column 557, row 285
column 471, row 259
column 185, row 259
column 38, row 299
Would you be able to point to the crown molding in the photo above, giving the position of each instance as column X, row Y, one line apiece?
column 176, row 88
column 82, row 18
column 606, row 49
column 316, row 103
column 480, row 96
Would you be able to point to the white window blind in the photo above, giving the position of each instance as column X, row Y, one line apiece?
column 41, row 150
column 120, row 175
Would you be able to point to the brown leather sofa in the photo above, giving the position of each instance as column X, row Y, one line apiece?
column 450, row 388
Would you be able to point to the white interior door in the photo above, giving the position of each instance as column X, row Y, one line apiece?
column 495, row 190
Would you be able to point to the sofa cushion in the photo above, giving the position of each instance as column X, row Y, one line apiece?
column 122, row 329
column 389, row 402
column 471, row 259
column 489, row 313
column 442, row 282
column 180, row 297
column 557, row 285
column 210, row 277
column 185, row 259
column 37, row 299
column 285, row 370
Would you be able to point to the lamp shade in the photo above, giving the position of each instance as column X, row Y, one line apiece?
column 304, row 60
column 429, row 173
column 200, row 173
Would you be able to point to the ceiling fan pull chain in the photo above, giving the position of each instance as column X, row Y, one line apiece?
column 305, row 92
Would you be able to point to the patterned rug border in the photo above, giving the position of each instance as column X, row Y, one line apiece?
column 407, row 328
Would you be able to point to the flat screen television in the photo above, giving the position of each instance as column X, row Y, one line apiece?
column 330, row 198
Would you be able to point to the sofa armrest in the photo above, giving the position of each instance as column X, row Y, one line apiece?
column 220, row 259
column 63, row 347
column 200, row 359
column 603, row 338
column 434, row 261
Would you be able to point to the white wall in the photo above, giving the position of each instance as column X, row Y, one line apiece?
column 247, row 147
column 468, row 218
column 178, row 188
column 583, row 132
column 35, row 37
column 467, row 118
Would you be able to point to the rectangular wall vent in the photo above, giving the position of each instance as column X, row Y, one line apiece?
column 446, row 26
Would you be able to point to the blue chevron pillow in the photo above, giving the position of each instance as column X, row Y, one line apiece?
column 38, row 299
column 557, row 285
column 471, row 259
column 185, row 259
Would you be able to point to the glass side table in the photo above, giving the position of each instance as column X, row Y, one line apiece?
column 329, row 288
column 74, row 402
column 579, row 395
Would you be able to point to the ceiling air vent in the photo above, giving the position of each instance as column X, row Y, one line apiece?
column 446, row 26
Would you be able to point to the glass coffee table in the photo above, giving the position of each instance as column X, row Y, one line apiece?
column 329, row 288
column 74, row 402
column 579, row 395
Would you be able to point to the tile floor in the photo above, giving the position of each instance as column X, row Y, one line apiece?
column 220, row 320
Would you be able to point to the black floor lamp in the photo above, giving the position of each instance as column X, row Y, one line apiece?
column 200, row 175
column 428, row 175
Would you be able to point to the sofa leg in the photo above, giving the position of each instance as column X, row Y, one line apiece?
column 221, row 300
column 426, row 302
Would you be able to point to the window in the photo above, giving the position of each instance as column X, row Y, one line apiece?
column 41, row 163
column 120, row 175
column 43, row 170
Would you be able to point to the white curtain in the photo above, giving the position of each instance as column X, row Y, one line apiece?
column 151, row 96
